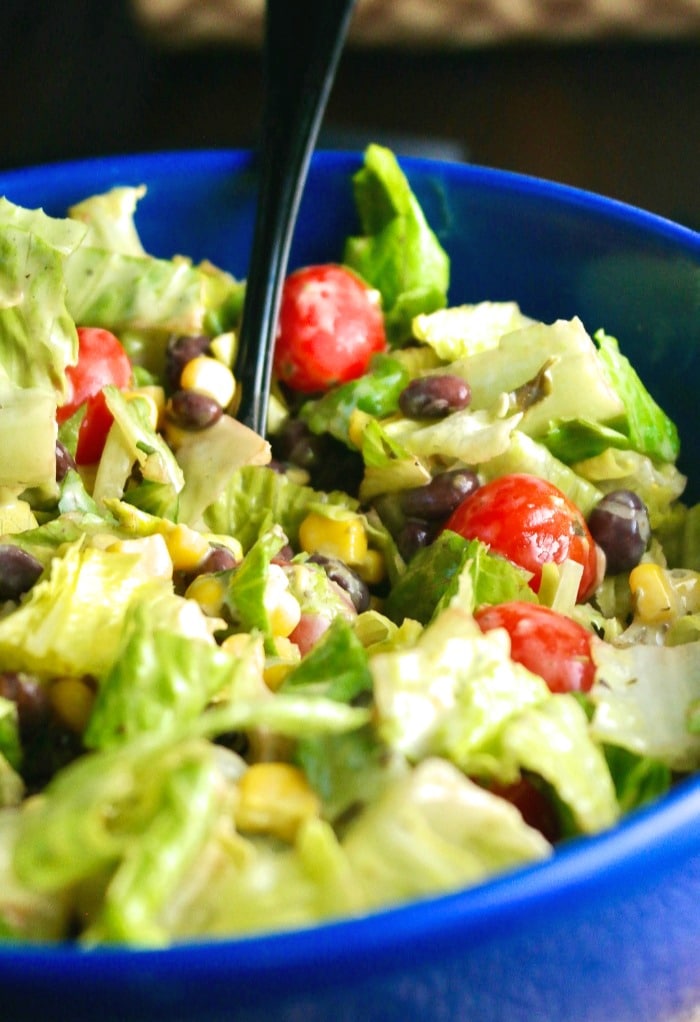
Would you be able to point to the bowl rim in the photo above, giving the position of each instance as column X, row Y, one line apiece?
column 659, row 835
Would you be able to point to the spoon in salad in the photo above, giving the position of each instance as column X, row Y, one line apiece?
column 302, row 46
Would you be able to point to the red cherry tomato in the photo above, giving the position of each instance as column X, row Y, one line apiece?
column 101, row 361
column 330, row 325
column 532, row 523
column 546, row 642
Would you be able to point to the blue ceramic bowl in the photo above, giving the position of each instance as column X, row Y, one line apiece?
column 609, row 930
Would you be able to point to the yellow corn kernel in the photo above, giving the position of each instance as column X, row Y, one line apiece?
column 278, row 667
column 356, row 426
column 275, row 798
column 72, row 700
column 186, row 546
column 209, row 376
column 654, row 599
column 248, row 647
column 282, row 607
column 152, row 399
column 373, row 569
column 344, row 538
column 208, row 591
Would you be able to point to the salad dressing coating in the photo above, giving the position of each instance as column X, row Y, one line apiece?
column 248, row 683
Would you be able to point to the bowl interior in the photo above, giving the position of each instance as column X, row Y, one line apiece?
column 555, row 250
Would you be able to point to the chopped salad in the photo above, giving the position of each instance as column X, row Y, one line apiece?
column 442, row 619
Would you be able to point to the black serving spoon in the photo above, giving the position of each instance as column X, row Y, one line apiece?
column 302, row 46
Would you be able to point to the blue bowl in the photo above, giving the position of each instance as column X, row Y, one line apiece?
column 607, row 931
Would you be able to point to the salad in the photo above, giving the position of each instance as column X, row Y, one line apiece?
column 442, row 619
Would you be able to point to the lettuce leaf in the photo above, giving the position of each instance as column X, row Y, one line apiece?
column 649, row 429
column 398, row 253
column 643, row 699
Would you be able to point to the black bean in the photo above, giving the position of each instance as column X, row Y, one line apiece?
column 434, row 397
column 619, row 524
column 64, row 461
column 193, row 410
column 414, row 536
column 297, row 445
column 30, row 698
column 438, row 498
column 19, row 571
column 180, row 351
column 339, row 572
column 220, row 559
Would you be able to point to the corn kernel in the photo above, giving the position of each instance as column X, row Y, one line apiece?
column 654, row 598
column 72, row 700
column 344, row 538
column 278, row 667
column 282, row 607
column 186, row 546
column 275, row 798
column 175, row 435
column 209, row 376
column 373, row 569
column 208, row 592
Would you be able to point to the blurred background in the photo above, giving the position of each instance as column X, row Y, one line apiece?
column 602, row 94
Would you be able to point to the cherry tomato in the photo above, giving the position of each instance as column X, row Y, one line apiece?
column 546, row 642
column 535, row 808
column 531, row 522
column 330, row 325
column 101, row 361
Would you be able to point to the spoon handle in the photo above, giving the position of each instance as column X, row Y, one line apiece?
column 303, row 42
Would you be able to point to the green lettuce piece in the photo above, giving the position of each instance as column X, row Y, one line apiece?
column 210, row 461
column 348, row 770
column 375, row 393
column 27, row 435
column 580, row 388
column 649, row 429
column 10, row 747
column 642, row 701
column 245, row 592
column 679, row 534
column 261, row 888
column 431, row 578
column 452, row 693
column 132, row 440
column 638, row 780
column 398, row 253
column 463, row 330
column 109, row 220
column 38, row 338
column 471, row 437
column 336, row 667
column 26, row 914
column 576, row 439
column 55, row 630
column 552, row 740
column 527, row 455
column 136, row 815
column 255, row 497
column 140, row 293
column 435, row 830
column 159, row 678
column 658, row 484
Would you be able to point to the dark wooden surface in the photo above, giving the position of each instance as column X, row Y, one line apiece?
column 623, row 119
